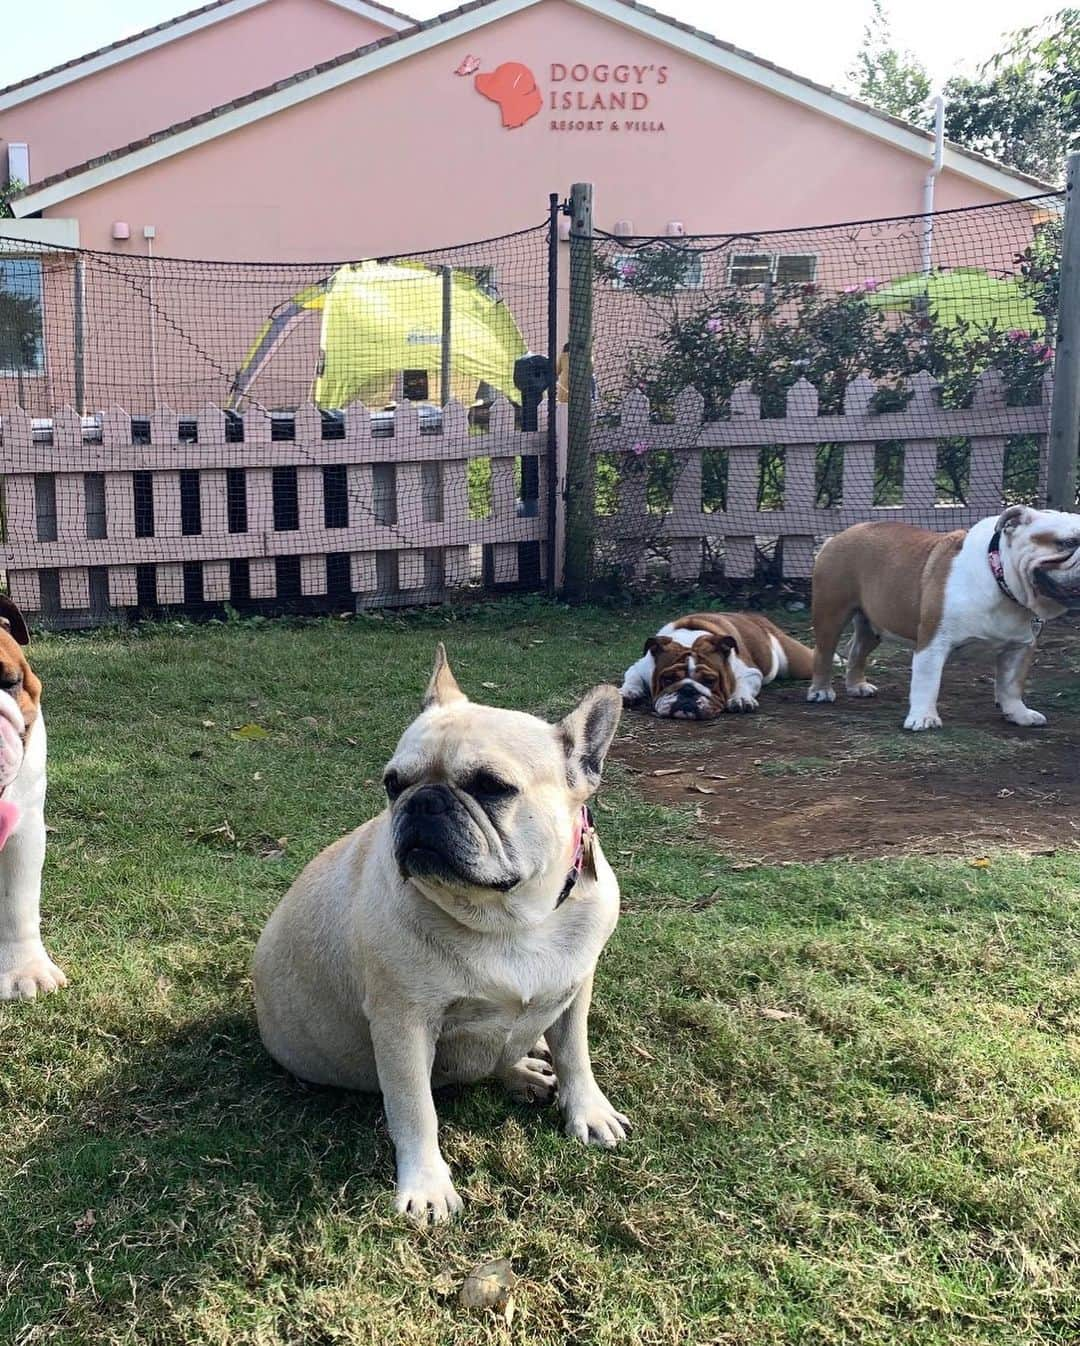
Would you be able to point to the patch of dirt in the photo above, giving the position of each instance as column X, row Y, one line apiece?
column 815, row 782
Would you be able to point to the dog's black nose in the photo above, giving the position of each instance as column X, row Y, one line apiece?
column 430, row 801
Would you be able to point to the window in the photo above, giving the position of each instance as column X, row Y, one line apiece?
column 662, row 270
column 782, row 268
column 21, row 346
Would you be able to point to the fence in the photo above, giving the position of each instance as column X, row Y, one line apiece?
column 379, row 433
column 290, row 437
column 754, row 393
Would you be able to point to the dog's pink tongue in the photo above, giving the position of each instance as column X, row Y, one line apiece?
column 9, row 820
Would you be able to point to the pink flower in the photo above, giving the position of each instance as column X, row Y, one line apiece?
column 1017, row 334
column 849, row 289
column 628, row 270
column 715, row 325
column 639, row 447
column 1045, row 353
column 871, row 283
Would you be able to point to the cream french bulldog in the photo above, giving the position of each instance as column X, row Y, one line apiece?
column 455, row 936
column 995, row 585
column 25, row 967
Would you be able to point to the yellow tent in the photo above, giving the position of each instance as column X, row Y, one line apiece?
column 381, row 319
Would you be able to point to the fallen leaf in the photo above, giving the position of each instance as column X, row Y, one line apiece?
column 777, row 1015
column 979, row 864
column 701, row 789
column 224, row 831
column 257, row 776
column 209, row 724
column 508, row 1310
column 669, row 771
column 491, row 686
column 1005, row 794
column 469, row 66
column 445, row 1283
column 251, row 731
column 488, row 1286
column 85, row 1222
column 640, row 1051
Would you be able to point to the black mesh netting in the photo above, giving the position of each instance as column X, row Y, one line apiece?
column 186, row 432
column 763, row 389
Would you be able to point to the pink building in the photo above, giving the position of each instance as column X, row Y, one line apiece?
column 308, row 130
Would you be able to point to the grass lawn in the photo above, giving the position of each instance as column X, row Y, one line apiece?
column 856, row 1086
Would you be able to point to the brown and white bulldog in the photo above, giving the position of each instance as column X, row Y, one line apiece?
column 702, row 665
column 25, row 967
column 996, row 585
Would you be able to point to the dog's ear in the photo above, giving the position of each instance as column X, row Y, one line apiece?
column 11, row 619
column 587, row 733
column 442, row 690
column 721, row 645
column 655, row 644
column 1012, row 518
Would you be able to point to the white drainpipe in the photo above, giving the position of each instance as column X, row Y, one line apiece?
column 928, row 186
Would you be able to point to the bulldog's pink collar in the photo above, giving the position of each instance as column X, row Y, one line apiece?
column 583, row 829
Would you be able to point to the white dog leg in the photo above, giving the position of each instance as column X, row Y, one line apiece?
column 589, row 1116
column 25, row 967
column 926, row 669
column 748, row 682
column 404, row 1055
column 637, row 681
column 1011, row 670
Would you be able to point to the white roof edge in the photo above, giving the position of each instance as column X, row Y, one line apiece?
column 127, row 51
column 22, row 236
column 649, row 25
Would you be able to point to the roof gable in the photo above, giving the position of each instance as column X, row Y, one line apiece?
column 126, row 49
column 460, row 22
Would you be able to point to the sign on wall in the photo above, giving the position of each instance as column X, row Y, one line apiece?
column 620, row 97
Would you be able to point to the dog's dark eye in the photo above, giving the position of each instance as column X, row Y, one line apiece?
column 707, row 678
column 485, row 785
column 668, row 679
column 10, row 681
column 392, row 784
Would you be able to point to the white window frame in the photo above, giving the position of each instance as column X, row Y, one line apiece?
column 774, row 266
column 38, row 370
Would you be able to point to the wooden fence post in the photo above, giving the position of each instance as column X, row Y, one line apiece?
column 1064, row 440
column 579, row 475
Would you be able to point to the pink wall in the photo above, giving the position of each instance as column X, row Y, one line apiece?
column 181, row 79
column 413, row 156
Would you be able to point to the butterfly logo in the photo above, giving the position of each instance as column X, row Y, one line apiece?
column 469, row 66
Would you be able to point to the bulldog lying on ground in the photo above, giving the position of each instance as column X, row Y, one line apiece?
column 996, row 584
column 699, row 666
column 25, row 967
column 438, row 942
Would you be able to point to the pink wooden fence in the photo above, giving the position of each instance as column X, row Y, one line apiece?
column 688, row 530
column 95, row 522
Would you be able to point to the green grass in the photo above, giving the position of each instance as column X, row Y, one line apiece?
column 895, row 1161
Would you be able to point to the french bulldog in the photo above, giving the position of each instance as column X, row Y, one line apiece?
column 995, row 584
column 455, row 936
column 25, row 967
column 700, row 666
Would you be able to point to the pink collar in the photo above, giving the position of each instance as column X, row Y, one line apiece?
column 583, row 829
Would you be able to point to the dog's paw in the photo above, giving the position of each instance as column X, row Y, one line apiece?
column 1026, row 718
column 821, row 694
column 862, row 689
column 918, row 722
column 26, row 970
column 593, row 1121
column 741, row 705
column 427, row 1195
column 529, row 1080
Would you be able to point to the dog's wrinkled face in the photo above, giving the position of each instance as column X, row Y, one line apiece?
column 20, row 691
column 1044, row 548
column 691, row 682
column 484, row 801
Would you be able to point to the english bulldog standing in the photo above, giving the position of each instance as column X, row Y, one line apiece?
column 25, row 967
column 995, row 584
column 697, row 667
column 439, row 941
